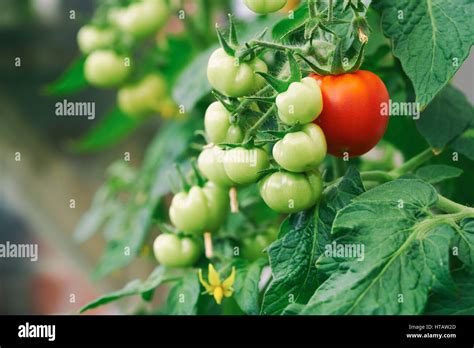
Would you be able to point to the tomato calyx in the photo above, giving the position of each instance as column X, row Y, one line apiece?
column 281, row 85
column 337, row 66
column 280, row 134
column 232, row 46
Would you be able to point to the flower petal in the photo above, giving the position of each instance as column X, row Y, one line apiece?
column 204, row 283
column 228, row 292
column 218, row 294
column 213, row 276
column 230, row 279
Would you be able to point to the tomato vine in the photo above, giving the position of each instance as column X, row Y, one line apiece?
column 283, row 125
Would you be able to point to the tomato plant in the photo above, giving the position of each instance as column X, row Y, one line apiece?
column 281, row 123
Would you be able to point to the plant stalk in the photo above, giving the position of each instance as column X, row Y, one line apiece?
column 259, row 123
column 448, row 206
column 414, row 163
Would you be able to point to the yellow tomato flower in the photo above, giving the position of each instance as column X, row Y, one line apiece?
column 216, row 287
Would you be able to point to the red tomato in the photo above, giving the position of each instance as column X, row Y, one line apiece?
column 351, row 119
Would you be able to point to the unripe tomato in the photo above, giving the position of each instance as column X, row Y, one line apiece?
column 218, row 127
column 265, row 6
column 242, row 165
column 301, row 103
column 286, row 192
column 105, row 68
column 211, row 165
column 90, row 38
column 253, row 248
column 200, row 209
column 144, row 97
column 142, row 18
column 172, row 251
column 301, row 151
column 234, row 79
column 351, row 119
column 290, row 6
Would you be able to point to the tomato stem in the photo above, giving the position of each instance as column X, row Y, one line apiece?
column 448, row 206
column 272, row 45
column 330, row 10
column 338, row 167
column 312, row 8
column 246, row 102
column 415, row 162
column 209, row 251
column 258, row 124
column 234, row 203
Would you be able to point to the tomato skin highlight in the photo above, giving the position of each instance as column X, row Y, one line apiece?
column 351, row 118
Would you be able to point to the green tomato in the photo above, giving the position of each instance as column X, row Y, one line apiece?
column 142, row 18
column 90, row 38
column 218, row 127
column 105, row 68
column 234, row 79
column 253, row 248
column 211, row 165
column 242, row 165
column 144, row 97
column 265, row 6
column 301, row 151
column 200, row 209
column 172, row 251
column 382, row 157
column 286, row 192
column 301, row 103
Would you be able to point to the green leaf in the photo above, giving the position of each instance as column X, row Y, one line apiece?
column 246, row 291
column 101, row 209
column 111, row 129
column 465, row 143
column 183, row 296
column 463, row 244
column 402, row 253
column 436, row 173
column 460, row 303
column 192, row 84
column 132, row 225
column 287, row 25
column 71, row 81
column 179, row 54
column 431, row 38
column 446, row 118
column 135, row 287
column 301, row 241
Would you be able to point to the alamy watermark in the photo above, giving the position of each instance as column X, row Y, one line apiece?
column 354, row 251
column 24, row 251
column 236, row 156
column 67, row 108
column 400, row 109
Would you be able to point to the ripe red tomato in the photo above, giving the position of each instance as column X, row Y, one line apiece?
column 351, row 119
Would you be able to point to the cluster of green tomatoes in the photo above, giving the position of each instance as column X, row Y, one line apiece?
column 287, row 173
column 106, row 66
